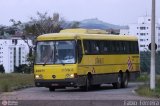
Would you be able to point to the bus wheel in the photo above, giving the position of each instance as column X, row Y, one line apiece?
column 117, row 84
column 96, row 86
column 88, row 83
column 51, row 89
column 87, row 86
column 125, row 81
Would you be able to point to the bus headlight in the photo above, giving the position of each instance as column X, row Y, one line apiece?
column 38, row 77
column 72, row 75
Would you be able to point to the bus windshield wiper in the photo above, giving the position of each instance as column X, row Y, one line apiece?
column 62, row 62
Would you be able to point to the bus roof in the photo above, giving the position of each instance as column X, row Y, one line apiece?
column 84, row 34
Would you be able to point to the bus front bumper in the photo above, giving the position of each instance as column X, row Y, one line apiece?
column 70, row 82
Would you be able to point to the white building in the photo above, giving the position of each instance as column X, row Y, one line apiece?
column 142, row 30
column 13, row 52
column 124, row 31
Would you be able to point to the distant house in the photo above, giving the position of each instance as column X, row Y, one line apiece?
column 113, row 31
column 124, row 31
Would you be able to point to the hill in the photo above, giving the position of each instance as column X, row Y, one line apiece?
column 98, row 24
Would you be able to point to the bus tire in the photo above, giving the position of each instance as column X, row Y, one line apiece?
column 51, row 89
column 117, row 84
column 88, row 82
column 125, row 80
column 96, row 86
column 87, row 86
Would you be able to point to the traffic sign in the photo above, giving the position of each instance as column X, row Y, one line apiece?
column 149, row 46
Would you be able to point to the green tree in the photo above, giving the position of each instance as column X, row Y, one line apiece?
column 30, row 59
column 44, row 24
column 2, row 30
column 2, row 69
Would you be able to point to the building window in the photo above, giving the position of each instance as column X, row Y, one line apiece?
column 142, row 34
column 19, row 55
column 142, row 45
column 142, row 28
column 141, row 40
column 14, row 56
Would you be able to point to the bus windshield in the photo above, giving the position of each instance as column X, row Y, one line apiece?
column 55, row 52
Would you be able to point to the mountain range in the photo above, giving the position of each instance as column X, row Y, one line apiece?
column 98, row 24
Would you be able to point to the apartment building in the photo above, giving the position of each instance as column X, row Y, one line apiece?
column 142, row 29
column 13, row 52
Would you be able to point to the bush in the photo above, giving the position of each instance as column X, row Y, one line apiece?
column 143, row 78
column 23, row 68
column 2, row 69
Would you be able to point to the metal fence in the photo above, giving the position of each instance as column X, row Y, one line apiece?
column 145, row 58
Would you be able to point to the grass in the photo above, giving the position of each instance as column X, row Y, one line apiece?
column 144, row 90
column 143, row 78
column 10, row 82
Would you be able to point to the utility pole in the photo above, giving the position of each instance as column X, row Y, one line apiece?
column 152, row 71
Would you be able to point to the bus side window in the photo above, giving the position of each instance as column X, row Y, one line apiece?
column 94, row 47
column 127, row 51
column 87, row 47
column 136, row 47
column 79, row 51
column 123, row 47
column 113, row 46
column 117, row 45
column 131, row 47
column 106, row 47
column 102, row 47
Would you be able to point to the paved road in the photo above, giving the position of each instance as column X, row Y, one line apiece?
column 106, row 92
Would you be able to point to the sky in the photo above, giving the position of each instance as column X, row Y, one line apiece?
column 118, row 12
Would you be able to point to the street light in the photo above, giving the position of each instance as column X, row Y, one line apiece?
column 152, row 71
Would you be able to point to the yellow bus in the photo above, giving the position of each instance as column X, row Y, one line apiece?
column 85, row 58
